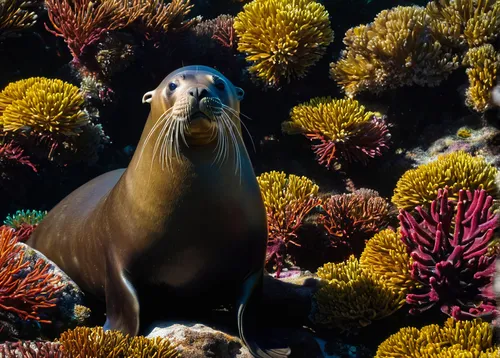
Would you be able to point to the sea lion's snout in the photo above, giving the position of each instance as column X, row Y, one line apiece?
column 203, row 104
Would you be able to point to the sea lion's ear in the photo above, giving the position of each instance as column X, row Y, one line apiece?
column 239, row 93
column 148, row 97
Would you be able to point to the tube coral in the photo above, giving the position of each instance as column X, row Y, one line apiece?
column 17, row 15
column 397, row 49
column 455, row 339
column 483, row 66
column 288, row 199
column 448, row 253
column 352, row 297
column 350, row 219
column 343, row 128
column 456, row 170
column 282, row 38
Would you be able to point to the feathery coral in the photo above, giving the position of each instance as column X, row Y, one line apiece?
column 395, row 50
column 16, row 15
column 448, row 253
column 352, row 297
column 47, row 106
column 282, row 38
column 288, row 199
column 465, row 22
column 457, row 170
column 25, row 290
column 350, row 219
column 484, row 65
column 472, row 339
column 95, row 342
column 344, row 128
column 12, row 154
column 386, row 256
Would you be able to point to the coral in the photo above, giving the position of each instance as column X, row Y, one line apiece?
column 395, row 50
column 288, row 199
column 386, row 256
column 12, row 154
column 282, row 38
column 115, row 52
column 464, row 133
column 465, row 22
column 472, row 339
column 95, row 342
column 21, row 217
column 456, row 170
column 25, row 290
column 352, row 297
column 350, row 219
column 483, row 66
column 47, row 106
column 220, row 29
column 448, row 253
column 343, row 127
column 17, row 15
column 32, row 349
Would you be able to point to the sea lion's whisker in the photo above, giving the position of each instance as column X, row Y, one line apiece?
column 243, row 125
column 162, row 140
column 232, row 110
column 226, row 119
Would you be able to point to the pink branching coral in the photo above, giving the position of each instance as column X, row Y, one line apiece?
column 448, row 253
column 11, row 153
column 223, row 31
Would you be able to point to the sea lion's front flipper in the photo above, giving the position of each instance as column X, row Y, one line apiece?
column 249, row 300
column 122, row 305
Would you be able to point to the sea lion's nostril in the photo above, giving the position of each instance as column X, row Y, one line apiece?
column 198, row 93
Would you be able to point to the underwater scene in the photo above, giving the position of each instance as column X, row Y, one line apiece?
column 249, row 178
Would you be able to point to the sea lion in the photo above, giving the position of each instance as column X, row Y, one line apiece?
column 186, row 213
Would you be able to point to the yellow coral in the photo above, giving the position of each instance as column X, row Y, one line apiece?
column 465, row 339
column 464, row 133
column 353, row 297
column 282, row 38
column 392, row 51
column 386, row 256
column 457, row 170
column 465, row 22
column 46, row 106
column 16, row 15
column 484, row 64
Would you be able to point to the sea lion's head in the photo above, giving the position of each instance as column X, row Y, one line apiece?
column 196, row 105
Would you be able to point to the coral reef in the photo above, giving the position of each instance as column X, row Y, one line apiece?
column 288, row 199
column 448, row 252
column 483, row 66
column 352, row 297
column 24, row 222
column 456, row 170
column 282, row 39
column 397, row 49
column 17, row 15
column 454, row 339
column 220, row 29
column 343, row 128
column 32, row 349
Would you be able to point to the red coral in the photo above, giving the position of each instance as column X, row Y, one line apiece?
column 24, row 232
column 25, row 288
column 449, row 254
column 223, row 31
column 31, row 349
column 12, row 153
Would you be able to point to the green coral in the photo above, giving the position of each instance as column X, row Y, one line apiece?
column 28, row 217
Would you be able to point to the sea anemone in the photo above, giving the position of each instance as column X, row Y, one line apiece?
column 448, row 245
column 282, row 38
column 352, row 297
column 483, row 66
column 17, row 15
column 456, row 170
column 455, row 339
column 21, row 217
column 288, row 199
column 343, row 128
column 395, row 50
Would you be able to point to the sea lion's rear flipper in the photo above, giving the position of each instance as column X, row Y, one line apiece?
column 248, row 302
column 122, row 305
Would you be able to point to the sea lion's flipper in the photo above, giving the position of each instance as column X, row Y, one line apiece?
column 122, row 305
column 252, row 289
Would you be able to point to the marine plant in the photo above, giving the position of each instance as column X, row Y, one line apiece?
column 483, row 64
column 463, row 23
column 457, row 170
column 387, row 258
column 282, row 38
column 352, row 297
column 395, row 50
column 11, row 155
column 448, row 244
column 288, row 199
column 32, row 349
column 95, row 342
column 350, row 219
column 454, row 339
column 24, row 290
column 343, row 128
column 17, row 15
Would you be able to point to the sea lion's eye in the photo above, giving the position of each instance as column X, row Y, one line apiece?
column 220, row 85
column 172, row 86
